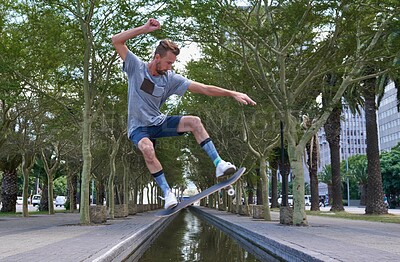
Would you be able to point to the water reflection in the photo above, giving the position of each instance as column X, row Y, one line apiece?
column 188, row 238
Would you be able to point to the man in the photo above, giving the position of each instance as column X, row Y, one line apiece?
column 149, row 86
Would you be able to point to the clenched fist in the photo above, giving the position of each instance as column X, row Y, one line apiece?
column 152, row 25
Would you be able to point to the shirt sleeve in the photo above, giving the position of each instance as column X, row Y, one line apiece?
column 178, row 84
column 131, row 63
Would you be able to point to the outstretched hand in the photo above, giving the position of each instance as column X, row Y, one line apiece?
column 152, row 25
column 244, row 99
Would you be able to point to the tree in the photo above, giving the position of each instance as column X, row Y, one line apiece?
column 390, row 168
column 357, row 172
column 313, row 161
column 332, row 129
column 96, row 22
column 287, row 47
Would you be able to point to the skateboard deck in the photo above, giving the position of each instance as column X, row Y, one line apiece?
column 187, row 202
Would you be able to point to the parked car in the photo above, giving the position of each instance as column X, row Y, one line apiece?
column 290, row 200
column 36, row 200
column 19, row 200
column 307, row 200
column 60, row 201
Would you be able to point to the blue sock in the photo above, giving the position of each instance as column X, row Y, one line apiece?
column 161, row 181
column 211, row 151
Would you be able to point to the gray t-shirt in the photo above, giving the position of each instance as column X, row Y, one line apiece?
column 147, row 93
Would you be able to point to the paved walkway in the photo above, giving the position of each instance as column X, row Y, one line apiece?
column 325, row 239
column 60, row 238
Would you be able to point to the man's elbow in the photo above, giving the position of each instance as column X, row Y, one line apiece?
column 114, row 40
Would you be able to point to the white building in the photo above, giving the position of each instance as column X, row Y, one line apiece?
column 353, row 134
column 389, row 119
column 352, row 137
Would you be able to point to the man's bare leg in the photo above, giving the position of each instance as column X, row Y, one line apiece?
column 146, row 146
column 194, row 125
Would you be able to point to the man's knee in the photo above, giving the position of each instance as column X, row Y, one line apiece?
column 196, row 122
column 147, row 149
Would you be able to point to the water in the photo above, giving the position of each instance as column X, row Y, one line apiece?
column 188, row 238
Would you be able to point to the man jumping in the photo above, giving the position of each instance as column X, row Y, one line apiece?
column 149, row 86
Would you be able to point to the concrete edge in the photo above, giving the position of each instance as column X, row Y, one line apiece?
column 262, row 246
column 135, row 245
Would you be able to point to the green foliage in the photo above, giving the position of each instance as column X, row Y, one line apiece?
column 325, row 176
column 41, row 75
column 390, row 169
column 355, row 169
column 60, row 186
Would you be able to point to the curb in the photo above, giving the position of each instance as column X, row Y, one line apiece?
column 134, row 246
column 262, row 247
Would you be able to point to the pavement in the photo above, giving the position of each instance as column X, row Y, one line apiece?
column 325, row 239
column 59, row 237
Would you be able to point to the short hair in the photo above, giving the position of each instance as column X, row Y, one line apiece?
column 167, row 45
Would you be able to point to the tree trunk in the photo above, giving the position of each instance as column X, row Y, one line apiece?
column 250, row 197
column 264, row 187
column 85, row 16
column 375, row 202
column 332, row 131
column 312, row 163
column 259, row 188
column 363, row 194
column 296, row 163
column 44, row 200
column 71, row 191
column 9, row 190
column 126, row 182
column 111, row 190
column 27, row 164
column 274, row 183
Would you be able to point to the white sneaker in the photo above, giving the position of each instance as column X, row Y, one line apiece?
column 170, row 200
column 225, row 168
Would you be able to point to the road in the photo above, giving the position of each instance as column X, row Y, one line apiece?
column 31, row 208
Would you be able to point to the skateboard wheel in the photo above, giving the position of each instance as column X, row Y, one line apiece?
column 231, row 192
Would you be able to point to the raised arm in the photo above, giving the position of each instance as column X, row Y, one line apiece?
column 210, row 90
column 119, row 39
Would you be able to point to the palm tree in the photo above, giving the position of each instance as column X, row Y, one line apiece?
column 9, row 188
column 375, row 203
column 332, row 131
column 357, row 172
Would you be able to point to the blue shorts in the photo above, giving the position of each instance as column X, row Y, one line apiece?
column 166, row 129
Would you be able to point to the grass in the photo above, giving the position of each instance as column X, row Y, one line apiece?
column 388, row 218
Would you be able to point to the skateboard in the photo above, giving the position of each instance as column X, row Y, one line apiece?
column 224, row 184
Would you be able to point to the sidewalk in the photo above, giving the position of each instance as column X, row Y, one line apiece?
column 59, row 237
column 325, row 239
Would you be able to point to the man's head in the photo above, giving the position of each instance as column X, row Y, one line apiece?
column 165, row 56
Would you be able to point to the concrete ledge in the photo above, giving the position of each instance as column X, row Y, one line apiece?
column 134, row 246
column 264, row 248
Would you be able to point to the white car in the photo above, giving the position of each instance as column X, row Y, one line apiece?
column 19, row 200
column 36, row 200
column 307, row 200
column 60, row 201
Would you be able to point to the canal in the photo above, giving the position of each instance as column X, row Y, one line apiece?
column 188, row 238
